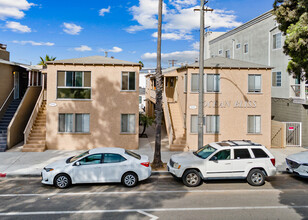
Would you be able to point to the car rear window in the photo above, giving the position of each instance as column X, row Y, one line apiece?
column 133, row 154
column 241, row 154
column 259, row 153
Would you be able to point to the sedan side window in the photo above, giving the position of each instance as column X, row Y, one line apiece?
column 113, row 158
column 91, row 159
column 222, row 155
column 241, row 154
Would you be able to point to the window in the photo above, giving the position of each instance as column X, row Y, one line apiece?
column 222, row 155
column 73, row 85
column 254, row 124
column 74, row 123
column 241, row 154
column 227, row 54
column 140, row 99
column 133, row 154
column 194, row 124
column 212, row 82
column 238, row 46
column 128, row 81
column 113, row 158
column 91, row 159
column 194, row 82
column 254, row 83
column 172, row 82
column 259, row 153
column 245, row 48
column 212, row 124
column 276, row 79
column 220, row 52
column 185, row 83
column 128, row 123
column 277, row 41
column 167, row 82
column 205, row 152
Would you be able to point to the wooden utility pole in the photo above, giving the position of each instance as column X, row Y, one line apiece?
column 159, row 86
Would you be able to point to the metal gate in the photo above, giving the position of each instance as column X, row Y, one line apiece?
column 293, row 134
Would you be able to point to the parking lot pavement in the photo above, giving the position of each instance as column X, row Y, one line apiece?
column 282, row 197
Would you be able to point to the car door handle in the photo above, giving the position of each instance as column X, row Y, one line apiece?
column 249, row 162
column 227, row 163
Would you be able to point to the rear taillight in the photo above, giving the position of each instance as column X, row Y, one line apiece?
column 146, row 164
column 273, row 161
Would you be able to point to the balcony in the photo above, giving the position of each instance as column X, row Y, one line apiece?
column 153, row 94
column 299, row 93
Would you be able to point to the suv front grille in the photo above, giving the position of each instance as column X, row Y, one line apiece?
column 171, row 163
column 292, row 164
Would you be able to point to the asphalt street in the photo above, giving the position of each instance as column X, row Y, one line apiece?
column 160, row 197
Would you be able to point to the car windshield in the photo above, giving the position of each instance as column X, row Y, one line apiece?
column 205, row 152
column 73, row 159
column 133, row 154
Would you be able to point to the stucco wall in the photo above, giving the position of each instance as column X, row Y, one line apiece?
column 6, row 82
column 105, row 108
column 233, row 120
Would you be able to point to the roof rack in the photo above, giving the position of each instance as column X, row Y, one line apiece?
column 248, row 142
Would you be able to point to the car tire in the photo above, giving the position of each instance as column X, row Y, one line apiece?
column 191, row 178
column 62, row 181
column 129, row 179
column 256, row 177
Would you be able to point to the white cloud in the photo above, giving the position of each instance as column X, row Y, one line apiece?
column 83, row 48
column 174, row 36
column 103, row 11
column 17, row 27
column 179, row 56
column 115, row 50
column 71, row 28
column 196, row 45
column 179, row 19
column 14, row 8
column 33, row 43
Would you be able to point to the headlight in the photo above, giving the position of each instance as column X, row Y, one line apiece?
column 48, row 169
column 176, row 166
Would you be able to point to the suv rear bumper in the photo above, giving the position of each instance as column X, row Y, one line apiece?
column 271, row 171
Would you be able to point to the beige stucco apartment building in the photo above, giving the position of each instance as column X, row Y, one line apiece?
column 237, row 102
column 92, row 102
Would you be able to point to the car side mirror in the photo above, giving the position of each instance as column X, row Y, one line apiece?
column 214, row 158
column 77, row 163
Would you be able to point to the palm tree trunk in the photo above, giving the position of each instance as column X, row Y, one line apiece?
column 158, row 110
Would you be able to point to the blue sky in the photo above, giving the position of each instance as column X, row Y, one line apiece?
column 126, row 29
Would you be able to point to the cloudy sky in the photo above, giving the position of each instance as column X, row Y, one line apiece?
column 126, row 29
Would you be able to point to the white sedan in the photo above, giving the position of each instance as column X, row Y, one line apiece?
column 298, row 163
column 99, row 165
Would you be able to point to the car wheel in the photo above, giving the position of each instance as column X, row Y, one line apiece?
column 256, row 177
column 130, row 179
column 62, row 181
column 191, row 178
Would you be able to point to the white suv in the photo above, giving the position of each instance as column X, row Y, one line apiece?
column 224, row 160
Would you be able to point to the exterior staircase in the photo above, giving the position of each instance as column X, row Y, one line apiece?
column 179, row 141
column 36, row 141
column 5, row 121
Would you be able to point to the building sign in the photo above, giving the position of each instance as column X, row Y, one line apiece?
column 291, row 128
column 230, row 104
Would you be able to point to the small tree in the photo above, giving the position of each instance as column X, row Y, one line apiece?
column 47, row 58
column 146, row 121
column 292, row 17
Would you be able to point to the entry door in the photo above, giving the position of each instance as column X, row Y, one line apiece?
column 219, row 165
column 293, row 134
column 16, row 85
column 89, row 170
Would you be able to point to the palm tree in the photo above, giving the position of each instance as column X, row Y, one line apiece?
column 146, row 121
column 158, row 110
column 47, row 58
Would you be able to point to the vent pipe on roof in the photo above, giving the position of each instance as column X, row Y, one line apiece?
column 112, row 57
column 106, row 53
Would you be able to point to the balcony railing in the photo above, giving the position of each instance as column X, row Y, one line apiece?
column 299, row 91
column 153, row 94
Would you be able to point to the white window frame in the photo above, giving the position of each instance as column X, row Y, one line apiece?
column 128, row 132
column 219, row 51
column 255, row 127
column 238, row 46
column 73, row 87
column 275, row 72
column 244, row 48
column 185, row 83
column 191, row 76
column 128, row 90
column 257, row 92
column 275, row 42
column 205, row 84
column 217, row 131
column 74, row 123
column 227, row 52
